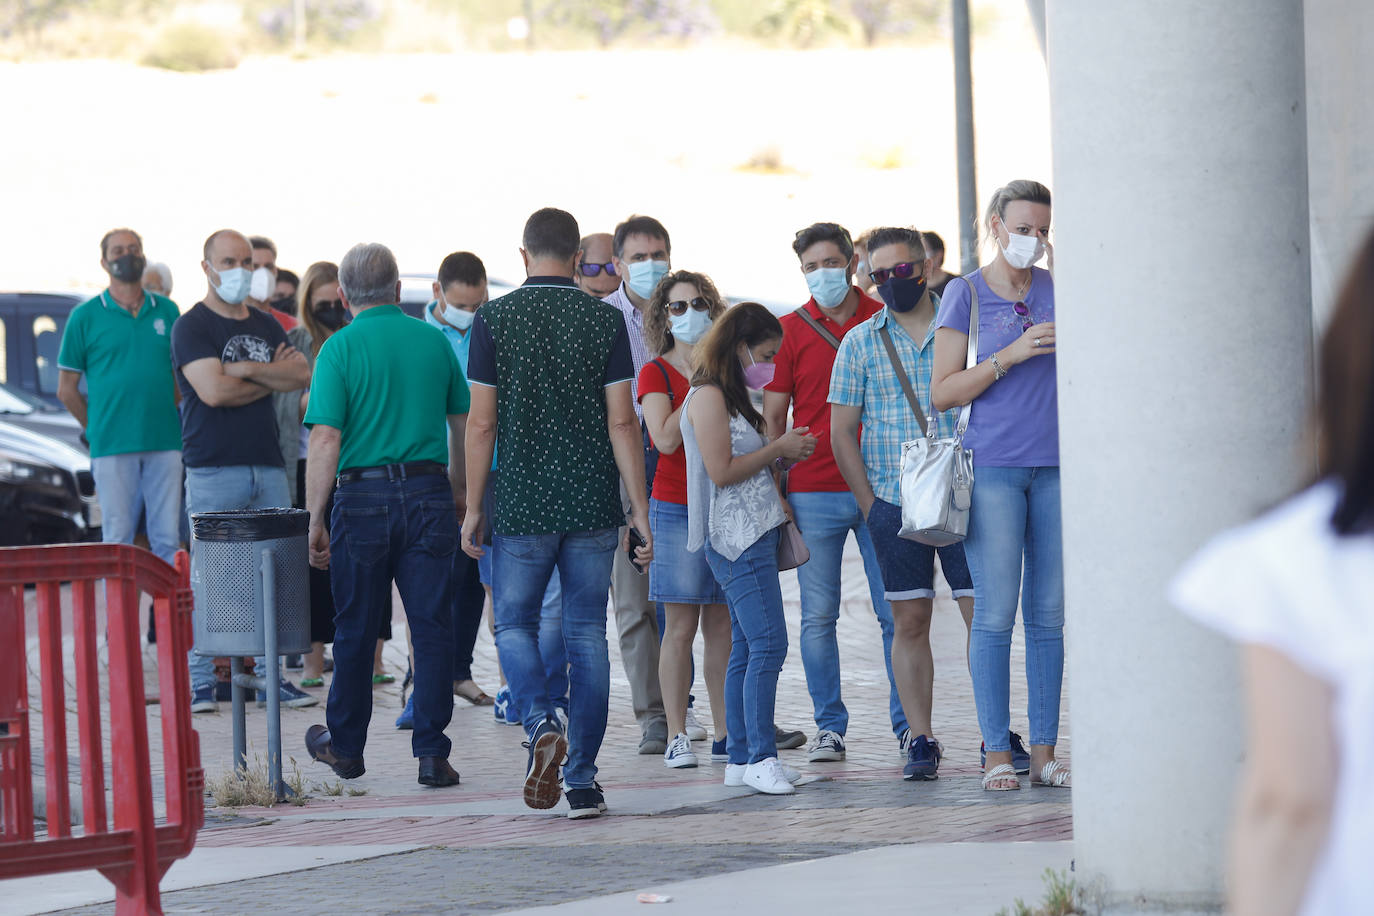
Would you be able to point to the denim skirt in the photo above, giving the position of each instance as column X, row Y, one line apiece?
column 676, row 576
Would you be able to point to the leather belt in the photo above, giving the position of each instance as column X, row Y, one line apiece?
column 402, row 471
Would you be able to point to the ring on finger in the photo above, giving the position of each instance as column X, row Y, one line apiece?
column 1035, row 342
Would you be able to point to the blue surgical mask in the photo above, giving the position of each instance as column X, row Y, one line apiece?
column 643, row 276
column 233, row 284
column 690, row 327
column 828, row 285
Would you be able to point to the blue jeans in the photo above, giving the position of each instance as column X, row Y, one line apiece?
column 1014, row 520
column 152, row 480
column 380, row 530
column 468, row 600
column 758, row 648
column 221, row 489
column 521, row 565
column 550, row 635
column 825, row 520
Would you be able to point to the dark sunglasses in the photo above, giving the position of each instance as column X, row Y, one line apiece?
column 901, row 271
column 680, row 307
column 1023, row 312
column 323, row 304
column 591, row 270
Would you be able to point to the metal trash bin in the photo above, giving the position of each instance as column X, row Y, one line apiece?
column 249, row 567
column 226, row 566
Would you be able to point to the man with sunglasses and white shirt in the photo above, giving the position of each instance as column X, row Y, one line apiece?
column 640, row 254
column 596, row 275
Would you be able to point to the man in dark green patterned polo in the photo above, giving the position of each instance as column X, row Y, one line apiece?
column 550, row 370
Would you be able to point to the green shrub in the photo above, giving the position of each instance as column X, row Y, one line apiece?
column 190, row 48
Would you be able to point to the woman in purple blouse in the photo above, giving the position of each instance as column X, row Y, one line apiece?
column 1014, row 436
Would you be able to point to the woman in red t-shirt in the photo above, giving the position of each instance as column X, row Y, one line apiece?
column 681, row 310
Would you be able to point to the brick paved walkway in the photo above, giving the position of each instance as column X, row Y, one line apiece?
column 670, row 816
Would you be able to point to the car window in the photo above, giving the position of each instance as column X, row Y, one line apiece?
column 45, row 344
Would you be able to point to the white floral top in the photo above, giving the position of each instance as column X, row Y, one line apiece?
column 735, row 516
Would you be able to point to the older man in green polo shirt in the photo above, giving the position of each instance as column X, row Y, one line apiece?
column 121, row 341
column 382, row 388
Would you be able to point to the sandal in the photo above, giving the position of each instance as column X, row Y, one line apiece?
column 383, row 679
column 469, row 691
column 312, row 682
column 1001, row 774
column 1053, row 775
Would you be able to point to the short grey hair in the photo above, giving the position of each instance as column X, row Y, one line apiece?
column 164, row 273
column 368, row 275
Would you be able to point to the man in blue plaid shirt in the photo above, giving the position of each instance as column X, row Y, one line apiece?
column 865, row 391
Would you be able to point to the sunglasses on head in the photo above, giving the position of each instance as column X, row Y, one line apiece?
column 680, row 307
column 591, row 270
column 901, row 271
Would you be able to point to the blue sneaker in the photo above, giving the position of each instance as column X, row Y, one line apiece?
column 203, row 699
column 718, row 752
column 922, row 759
column 1020, row 757
column 504, row 708
column 406, row 720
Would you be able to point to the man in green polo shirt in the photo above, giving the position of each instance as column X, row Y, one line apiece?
column 382, row 388
column 121, row 341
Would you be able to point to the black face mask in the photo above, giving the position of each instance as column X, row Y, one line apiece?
column 902, row 293
column 285, row 304
column 332, row 318
column 129, row 268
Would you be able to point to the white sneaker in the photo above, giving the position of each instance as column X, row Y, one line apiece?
column 828, row 746
column 679, row 753
column 903, row 743
column 791, row 774
column 694, row 729
column 766, row 777
column 734, row 774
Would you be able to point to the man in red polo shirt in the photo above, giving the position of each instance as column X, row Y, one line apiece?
column 824, row 508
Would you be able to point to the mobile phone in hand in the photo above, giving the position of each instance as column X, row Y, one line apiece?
column 636, row 540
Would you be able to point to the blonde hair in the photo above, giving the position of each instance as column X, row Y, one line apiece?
column 1020, row 189
column 316, row 275
column 658, row 334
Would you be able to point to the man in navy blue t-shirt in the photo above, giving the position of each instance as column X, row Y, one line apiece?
column 228, row 359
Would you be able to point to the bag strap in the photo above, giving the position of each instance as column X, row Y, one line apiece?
column 819, row 328
column 666, row 380
column 902, row 377
column 971, row 359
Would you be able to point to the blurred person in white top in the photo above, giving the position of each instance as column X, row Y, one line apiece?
column 1296, row 589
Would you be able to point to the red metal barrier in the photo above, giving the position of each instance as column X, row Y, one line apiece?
column 133, row 853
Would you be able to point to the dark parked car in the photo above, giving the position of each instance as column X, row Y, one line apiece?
column 35, row 414
column 47, row 494
column 31, row 327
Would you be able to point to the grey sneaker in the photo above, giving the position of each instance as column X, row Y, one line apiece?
column 828, row 746
column 694, row 730
column 787, row 739
column 655, row 740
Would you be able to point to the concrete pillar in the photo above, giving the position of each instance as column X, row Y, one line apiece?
column 1340, row 139
column 1183, row 297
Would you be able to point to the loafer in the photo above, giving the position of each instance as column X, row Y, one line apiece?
column 321, row 748
column 436, row 772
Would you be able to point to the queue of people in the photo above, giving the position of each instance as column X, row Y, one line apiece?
column 612, row 427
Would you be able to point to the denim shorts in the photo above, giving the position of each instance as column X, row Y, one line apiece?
column 908, row 567
column 676, row 576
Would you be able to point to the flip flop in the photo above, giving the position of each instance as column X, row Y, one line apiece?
column 473, row 694
column 383, row 679
column 312, row 682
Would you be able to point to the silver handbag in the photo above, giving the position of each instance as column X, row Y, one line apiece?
column 937, row 474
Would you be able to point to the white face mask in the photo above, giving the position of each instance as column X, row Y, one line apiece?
column 1021, row 251
column 459, row 318
column 263, row 285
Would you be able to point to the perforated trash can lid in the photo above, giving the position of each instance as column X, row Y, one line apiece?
column 250, row 524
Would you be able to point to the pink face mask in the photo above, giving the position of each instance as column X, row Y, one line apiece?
column 757, row 375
